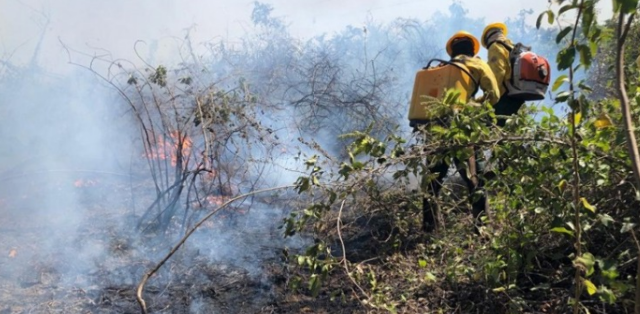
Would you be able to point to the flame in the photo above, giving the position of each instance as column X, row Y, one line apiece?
column 167, row 147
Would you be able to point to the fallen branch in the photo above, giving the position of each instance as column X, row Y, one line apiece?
column 145, row 278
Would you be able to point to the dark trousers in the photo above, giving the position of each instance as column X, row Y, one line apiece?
column 506, row 106
column 475, row 183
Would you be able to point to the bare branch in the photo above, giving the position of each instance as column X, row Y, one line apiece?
column 145, row 278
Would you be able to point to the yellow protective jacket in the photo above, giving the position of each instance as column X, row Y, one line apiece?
column 482, row 73
column 499, row 63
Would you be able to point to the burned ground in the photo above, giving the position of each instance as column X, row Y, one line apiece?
column 91, row 261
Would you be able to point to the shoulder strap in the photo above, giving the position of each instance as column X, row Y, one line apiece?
column 463, row 69
column 503, row 44
column 456, row 63
column 511, row 58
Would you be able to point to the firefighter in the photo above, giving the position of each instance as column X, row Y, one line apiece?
column 494, row 40
column 462, row 47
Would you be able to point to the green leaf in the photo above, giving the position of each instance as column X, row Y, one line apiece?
column 588, row 16
column 559, row 81
column 566, row 57
column 550, row 17
column 606, row 219
column 562, row 230
column 616, row 6
column 608, row 269
column 584, row 86
column 586, row 205
column 585, row 55
column 587, row 261
column 627, row 226
column 606, row 295
column 597, row 34
column 438, row 129
column 302, row 184
column 345, row 170
column 563, row 33
column 539, row 20
column 594, row 47
column 566, row 8
column 591, row 288
column 422, row 263
column 625, row 6
column 314, row 285
column 311, row 161
column 332, row 197
column 562, row 96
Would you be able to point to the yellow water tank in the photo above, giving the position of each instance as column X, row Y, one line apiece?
column 433, row 82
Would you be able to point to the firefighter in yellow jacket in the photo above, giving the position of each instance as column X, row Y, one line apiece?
column 462, row 47
column 495, row 41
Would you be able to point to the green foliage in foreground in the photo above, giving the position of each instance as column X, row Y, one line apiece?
column 561, row 234
column 525, row 251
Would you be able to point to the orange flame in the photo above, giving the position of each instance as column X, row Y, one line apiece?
column 167, row 147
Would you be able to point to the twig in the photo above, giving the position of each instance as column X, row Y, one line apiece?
column 145, row 278
column 345, row 262
column 632, row 145
column 576, row 174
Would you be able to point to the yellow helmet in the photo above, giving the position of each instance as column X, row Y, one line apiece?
column 463, row 34
column 498, row 25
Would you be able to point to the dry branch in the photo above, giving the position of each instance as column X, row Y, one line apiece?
column 145, row 278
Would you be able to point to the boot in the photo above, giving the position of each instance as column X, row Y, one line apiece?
column 429, row 215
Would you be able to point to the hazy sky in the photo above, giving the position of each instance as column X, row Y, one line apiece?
column 114, row 25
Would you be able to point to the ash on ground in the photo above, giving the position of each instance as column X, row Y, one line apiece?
column 84, row 257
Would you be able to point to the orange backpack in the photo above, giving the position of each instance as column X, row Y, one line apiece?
column 530, row 73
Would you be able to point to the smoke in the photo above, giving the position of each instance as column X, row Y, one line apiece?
column 73, row 178
column 64, row 137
